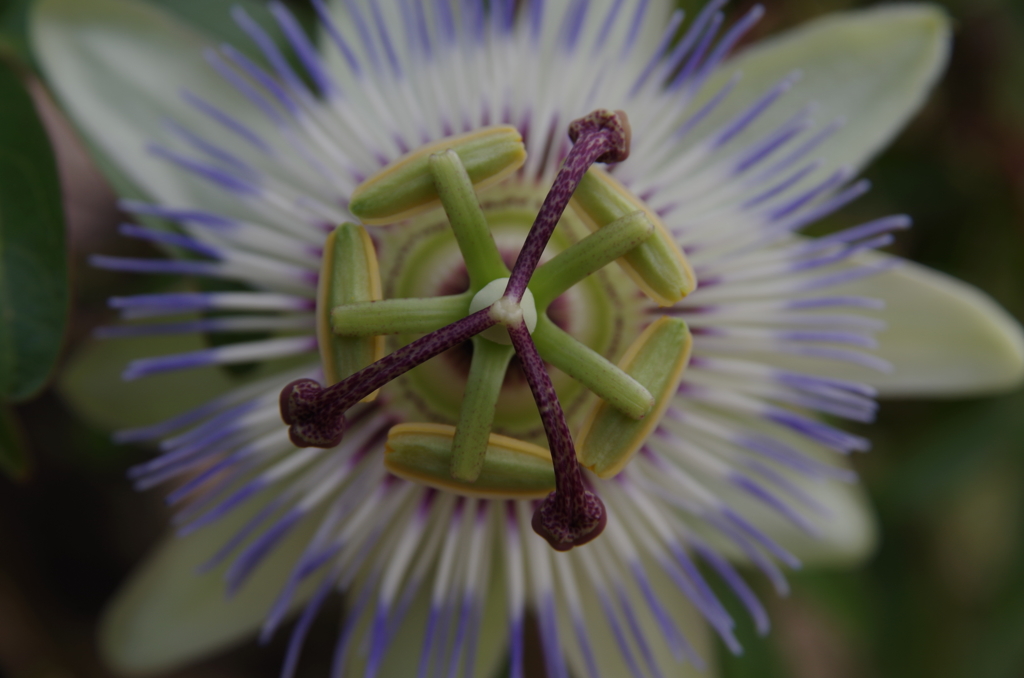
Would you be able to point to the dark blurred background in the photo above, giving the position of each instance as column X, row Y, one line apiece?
column 942, row 598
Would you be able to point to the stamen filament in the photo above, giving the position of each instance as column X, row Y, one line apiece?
column 472, row 233
column 593, row 370
column 598, row 249
column 486, row 374
column 399, row 316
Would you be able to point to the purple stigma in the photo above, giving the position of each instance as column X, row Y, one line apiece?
column 601, row 136
column 571, row 515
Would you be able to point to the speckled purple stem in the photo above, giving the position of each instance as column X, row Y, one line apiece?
column 571, row 515
column 316, row 415
column 601, row 136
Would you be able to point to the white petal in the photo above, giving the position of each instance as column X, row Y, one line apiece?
column 944, row 337
column 872, row 67
column 167, row 615
column 119, row 68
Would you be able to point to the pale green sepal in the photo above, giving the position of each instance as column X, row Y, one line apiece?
column 512, row 469
column 406, row 186
column 349, row 274
column 656, row 359
column 592, row 369
column 657, row 265
column 601, row 247
column 91, row 383
column 847, row 535
column 167, row 615
column 607, row 653
column 473, row 234
column 118, row 68
column 399, row 316
column 846, row 529
column 943, row 336
column 871, row 68
column 476, row 415
column 402, row 658
column 846, row 538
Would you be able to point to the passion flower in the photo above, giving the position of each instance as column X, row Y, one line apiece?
column 304, row 186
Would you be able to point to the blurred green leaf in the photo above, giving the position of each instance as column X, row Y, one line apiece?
column 841, row 593
column 14, row 459
column 954, row 449
column 13, row 28
column 1000, row 653
column 998, row 647
column 760, row 657
column 33, row 263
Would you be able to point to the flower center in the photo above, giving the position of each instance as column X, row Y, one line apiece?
column 420, row 258
column 353, row 317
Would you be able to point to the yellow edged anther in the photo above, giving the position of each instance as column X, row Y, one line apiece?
column 348, row 274
column 657, row 265
column 406, row 186
column 512, row 469
column 656, row 359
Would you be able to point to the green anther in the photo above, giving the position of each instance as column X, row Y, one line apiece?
column 512, row 469
column 406, row 186
column 399, row 316
column 486, row 374
column 472, row 233
column 657, row 266
column 348, row 274
column 588, row 255
column 657, row 358
column 593, row 370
